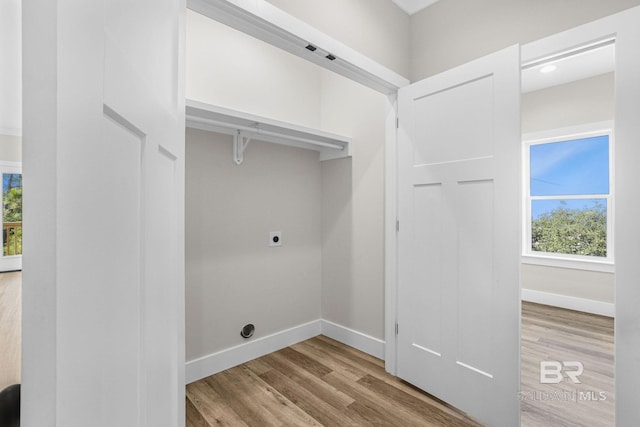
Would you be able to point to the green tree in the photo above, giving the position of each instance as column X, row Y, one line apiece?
column 12, row 213
column 571, row 231
column 12, row 200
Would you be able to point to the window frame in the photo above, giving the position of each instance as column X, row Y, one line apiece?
column 580, row 262
column 9, row 262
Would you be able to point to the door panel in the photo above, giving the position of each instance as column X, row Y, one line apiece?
column 429, row 240
column 475, row 280
column 471, row 100
column 459, row 178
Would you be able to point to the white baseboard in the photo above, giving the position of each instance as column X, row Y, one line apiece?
column 355, row 339
column 234, row 356
column 571, row 303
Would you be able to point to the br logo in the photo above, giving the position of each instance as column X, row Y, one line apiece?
column 552, row 372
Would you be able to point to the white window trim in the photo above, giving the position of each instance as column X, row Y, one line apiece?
column 561, row 260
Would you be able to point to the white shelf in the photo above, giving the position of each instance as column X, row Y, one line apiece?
column 246, row 127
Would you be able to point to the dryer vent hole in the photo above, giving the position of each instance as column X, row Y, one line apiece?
column 247, row 331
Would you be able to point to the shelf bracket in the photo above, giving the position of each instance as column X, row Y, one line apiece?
column 240, row 143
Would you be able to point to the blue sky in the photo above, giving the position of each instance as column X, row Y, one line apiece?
column 575, row 167
column 5, row 180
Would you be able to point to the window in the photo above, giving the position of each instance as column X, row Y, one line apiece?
column 568, row 189
column 11, row 214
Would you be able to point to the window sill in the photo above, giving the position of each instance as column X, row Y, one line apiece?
column 572, row 263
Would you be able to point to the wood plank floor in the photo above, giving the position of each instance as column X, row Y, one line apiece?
column 318, row 382
column 555, row 334
column 10, row 327
column 321, row 382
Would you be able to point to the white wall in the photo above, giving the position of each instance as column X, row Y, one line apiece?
column 233, row 277
column 452, row 32
column 10, row 68
column 335, row 270
column 10, row 148
column 376, row 28
column 10, row 81
column 588, row 285
column 584, row 101
column 580, row 102
column 230, row 69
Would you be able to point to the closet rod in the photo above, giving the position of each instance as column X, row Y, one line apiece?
column 259, row 131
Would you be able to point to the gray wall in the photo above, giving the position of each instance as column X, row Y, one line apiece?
column 353, row 208
column 233, row 277
column 452, row 32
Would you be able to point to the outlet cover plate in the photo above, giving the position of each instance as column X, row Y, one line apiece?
column 275, row 239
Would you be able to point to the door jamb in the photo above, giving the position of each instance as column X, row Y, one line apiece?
column 391, row 229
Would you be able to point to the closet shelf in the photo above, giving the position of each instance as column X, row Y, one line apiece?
column 246, row 127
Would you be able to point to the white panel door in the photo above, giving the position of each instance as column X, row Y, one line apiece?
column 118, row 218
column 459, row 237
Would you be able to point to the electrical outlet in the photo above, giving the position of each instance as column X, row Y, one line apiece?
column 275, row 238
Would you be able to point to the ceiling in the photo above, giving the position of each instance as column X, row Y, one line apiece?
column 413, row 6
column 571, row 67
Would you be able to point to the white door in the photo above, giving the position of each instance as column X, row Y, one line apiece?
column 106, row 166
column 11, row 255
column 459, row 237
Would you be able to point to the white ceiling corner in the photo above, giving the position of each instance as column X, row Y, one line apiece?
column 413, row 6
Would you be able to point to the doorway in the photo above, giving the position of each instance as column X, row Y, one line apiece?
column 626, row 130
column 11, row 174
column 567, row 274
column 10, row 275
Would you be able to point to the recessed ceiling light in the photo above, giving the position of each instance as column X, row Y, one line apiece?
column 548, row 69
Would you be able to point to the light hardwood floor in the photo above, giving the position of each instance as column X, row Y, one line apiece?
column 321, row 382
column 555, row 334
column 318, row 382
column 10, row 331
